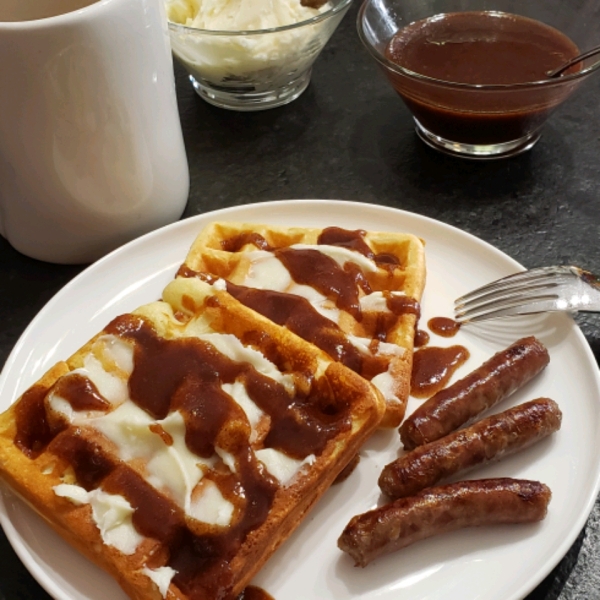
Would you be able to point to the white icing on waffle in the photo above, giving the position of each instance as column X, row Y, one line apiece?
column 161, row 577
column 281, row 466
column 111, row 513
column 157, row 447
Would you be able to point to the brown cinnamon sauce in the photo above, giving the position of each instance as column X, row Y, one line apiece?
column 311, row 267
column 80, row 393
column 254, row 593
column 397, row 307
column 403, row 305
column 89, row 462
column 187, row 373
column 479, row 47
column 299, row 316
column 165, row 436
column 421, row 338
column 236, row 243
column 185, row 271
column 433, row 367
column 354, row 240
column 443, row 326
column 33, row 431
column 324, row 274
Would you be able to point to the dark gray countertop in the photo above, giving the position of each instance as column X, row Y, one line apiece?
column 350, row 137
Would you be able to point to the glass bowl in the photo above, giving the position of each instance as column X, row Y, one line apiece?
column 254, row 69
column 480, row 120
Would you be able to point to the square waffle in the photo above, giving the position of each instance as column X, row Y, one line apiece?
column 354, row 294
column 181, row 445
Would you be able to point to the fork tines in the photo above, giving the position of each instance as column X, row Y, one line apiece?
column 505, row 296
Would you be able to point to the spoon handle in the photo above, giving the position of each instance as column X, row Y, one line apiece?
column 573, row 61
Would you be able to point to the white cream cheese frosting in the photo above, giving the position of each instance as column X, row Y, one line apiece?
column 161, row 577
column 111, row 514
column 238, row 15
column 263, row 61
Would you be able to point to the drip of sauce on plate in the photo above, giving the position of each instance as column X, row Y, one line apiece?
column 433, row 367
column 479, row 48
column 348, row 469
column 254, row 593
column 443, row 326
column 421, row 338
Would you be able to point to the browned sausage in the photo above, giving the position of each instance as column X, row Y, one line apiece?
column 490, row 439
column 442, row 509
column 493, row 381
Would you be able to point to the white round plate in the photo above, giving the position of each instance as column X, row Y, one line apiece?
column 495, row 563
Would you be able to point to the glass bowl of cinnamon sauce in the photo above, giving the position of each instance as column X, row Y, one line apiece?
column 474, row 73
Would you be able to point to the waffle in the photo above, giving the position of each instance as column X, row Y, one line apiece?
column 354, row 294
column 181, row 445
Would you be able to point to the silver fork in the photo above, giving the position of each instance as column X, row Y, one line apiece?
column 562, row 288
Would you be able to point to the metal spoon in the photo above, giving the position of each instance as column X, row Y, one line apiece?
column 573, row 61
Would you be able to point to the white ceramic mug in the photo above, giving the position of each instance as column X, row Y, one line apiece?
column 91, row 149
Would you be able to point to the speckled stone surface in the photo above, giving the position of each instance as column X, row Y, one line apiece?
column 350, row 137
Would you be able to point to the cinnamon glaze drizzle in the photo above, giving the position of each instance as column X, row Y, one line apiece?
column 81, row 392
column 236, row 243
column 341, row 285
column 311, row 267
column 354, row 240
column 186, row 374
column 300, row 317
column 330, row 236
column 33, row 430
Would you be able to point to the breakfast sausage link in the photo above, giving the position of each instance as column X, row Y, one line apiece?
column 440, row 510
column 497, row 378
column 489, row 439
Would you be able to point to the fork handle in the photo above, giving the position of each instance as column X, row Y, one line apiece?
column 592, row 279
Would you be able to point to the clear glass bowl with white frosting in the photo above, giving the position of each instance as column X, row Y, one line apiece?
column 250, row 54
